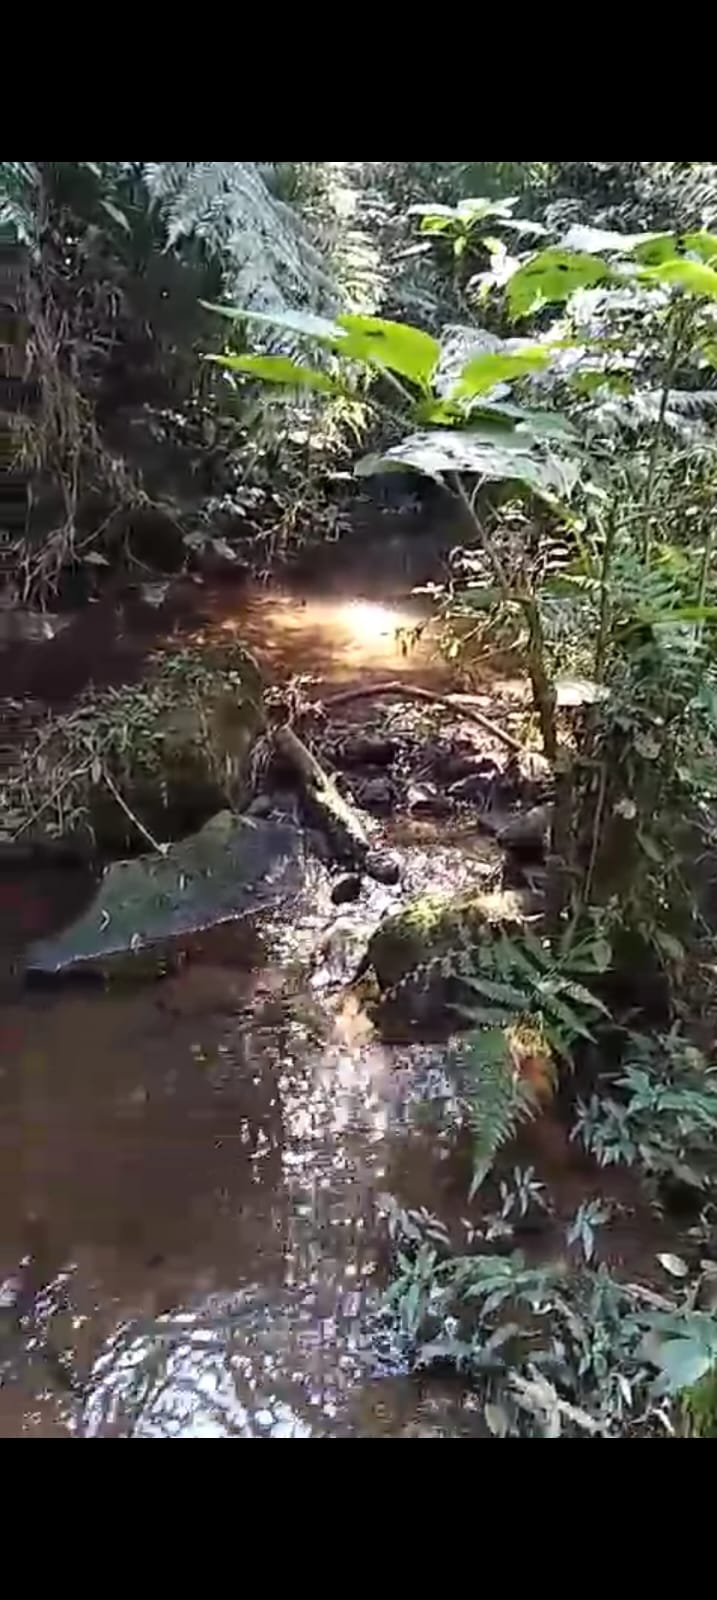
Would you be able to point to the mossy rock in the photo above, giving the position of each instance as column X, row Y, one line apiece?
column 152, row 907
column 433, row 926
column 176, row 748
column 699, row 1407
column 416, row 952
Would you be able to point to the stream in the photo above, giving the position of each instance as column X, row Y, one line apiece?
column 194, row 1173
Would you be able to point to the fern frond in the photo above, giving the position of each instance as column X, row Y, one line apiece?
column 497, row 1098
column 557, row 1009
column 269, row 259
column 502, row 993
column 483, row 1016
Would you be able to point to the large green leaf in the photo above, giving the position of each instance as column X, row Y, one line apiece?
column 436, row 452
column 703, row 245
column 680, row 273
column 484, row 371
column 277, row 369
column 438, row 222
column 656, row 249
column 301, row 322
column 541, row 424
column 552, row 276
column 441, row 413
column 399, row 346
column 438, row 218
column 402, row 348
column 499, row 420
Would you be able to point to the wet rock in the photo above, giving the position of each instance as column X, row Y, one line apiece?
column 263, row 805
column 376, row 794
column 417, row 954
column 478, row 783
column 20, row 627
column 425, row 801
column 347, row 889
column 530, row 774
column 452, row 764
column 421, row 932
column 527, row 835
column 171, row 751
column 365, row 750
column 234, row 867
column 383, row 868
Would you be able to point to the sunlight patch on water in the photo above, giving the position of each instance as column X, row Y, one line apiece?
column 343, row 633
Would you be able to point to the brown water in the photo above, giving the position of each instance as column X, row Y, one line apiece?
column 193, row 1174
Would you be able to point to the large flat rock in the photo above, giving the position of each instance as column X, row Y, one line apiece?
column 234, row 867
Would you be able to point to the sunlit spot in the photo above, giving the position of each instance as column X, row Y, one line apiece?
column 371, row 621
column 301, row 634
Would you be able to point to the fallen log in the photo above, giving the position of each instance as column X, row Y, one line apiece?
column 326, row 808
column 412, row 691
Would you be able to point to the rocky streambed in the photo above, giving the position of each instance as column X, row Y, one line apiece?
column 199, row 1145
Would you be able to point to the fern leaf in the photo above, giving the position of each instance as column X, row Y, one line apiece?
column 483, row 1016
column 497, row 1100
column 542, row 956
column 557, row 1008
column 503, row 993
column 581, row 995
column 269, row 259
column 513, row 959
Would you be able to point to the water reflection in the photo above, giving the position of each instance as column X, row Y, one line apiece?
column 333, row 636
column 190, row 1186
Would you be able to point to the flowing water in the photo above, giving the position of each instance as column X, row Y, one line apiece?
column 194, row 1173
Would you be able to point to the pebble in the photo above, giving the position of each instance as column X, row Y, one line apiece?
column 425, row 799
column 348, row 888
column 366, row 751
column 376, row 795
column 383, row 868
column 527, row 834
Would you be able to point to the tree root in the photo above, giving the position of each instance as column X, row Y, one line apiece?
column 410, row 691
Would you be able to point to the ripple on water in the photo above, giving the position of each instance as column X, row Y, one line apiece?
column 192, row 1178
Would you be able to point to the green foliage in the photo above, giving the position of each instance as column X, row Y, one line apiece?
column 393, row 346
column 438, row 453
column 692, row 276
column 396, row 346
column 553, row 276
column 18, row 192
column 278, row 369
column 524, row 1006
column 483, row 372
column 523, row 977
column 660, row 1113
column 496, row 1097
column 463, row 225
column 550, row 1353
column 118, row 760
column 683, row 1346
column 591, row 1214
column 699, row 1400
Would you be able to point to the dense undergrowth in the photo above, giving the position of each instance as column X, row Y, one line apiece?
column 548, row 363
